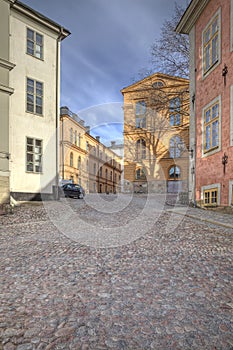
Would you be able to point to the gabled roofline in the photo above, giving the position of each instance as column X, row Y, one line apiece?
column 41, row 19
column 158, row 75
column 190, row 16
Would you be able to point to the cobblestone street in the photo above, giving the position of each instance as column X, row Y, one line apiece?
column 115, row 272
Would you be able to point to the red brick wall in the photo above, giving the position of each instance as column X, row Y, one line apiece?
column 209, row 170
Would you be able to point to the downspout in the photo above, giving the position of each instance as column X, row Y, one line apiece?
column 57, row 111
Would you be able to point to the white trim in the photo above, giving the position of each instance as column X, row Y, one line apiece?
column 209, row 187
column 231, row 115
column 217, row 99
column 230, row 192
column 217, row 13
column 231, row 27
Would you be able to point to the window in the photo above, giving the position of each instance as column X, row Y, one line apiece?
column 79, row 162
column 106, row 174
column 34, row 43
column 157, row 84
column 141, row 149
column 174, row 112
column 34, row 155
column 175, row 151
column 87, row 145
column 71, row 135
column 71, row 159
column 211, row 44
column 79, row 140
column 211, row 196
column 231, row 113
column 110, row 177
column 211, row 127
column 140, row 174
column 94, row 168
column 174, row 173
column 75, row 137
column 231, row 27
column 141, row 114
column 100, row 172
column 34, row 96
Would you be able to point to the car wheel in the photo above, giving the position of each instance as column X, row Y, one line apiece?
column 80, row 196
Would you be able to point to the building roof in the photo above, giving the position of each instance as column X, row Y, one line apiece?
column 190, row 16
column 39, row 18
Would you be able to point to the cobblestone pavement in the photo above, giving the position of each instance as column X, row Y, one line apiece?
column 168, row 287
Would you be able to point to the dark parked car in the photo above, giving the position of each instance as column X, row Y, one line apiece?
column 73, row 190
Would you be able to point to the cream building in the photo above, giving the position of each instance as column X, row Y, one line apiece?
column 84, row 159
column 32, row 91
column 156, row 129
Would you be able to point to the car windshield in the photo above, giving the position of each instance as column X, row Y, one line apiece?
column 72, row 186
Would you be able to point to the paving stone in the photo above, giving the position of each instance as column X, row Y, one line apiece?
column 166, row 289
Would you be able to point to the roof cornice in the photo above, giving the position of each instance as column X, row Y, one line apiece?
column 41, row 19
column 190, row 16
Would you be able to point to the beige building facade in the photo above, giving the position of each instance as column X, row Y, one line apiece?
column 156, row 129
column 30, row 76
column 84, row 159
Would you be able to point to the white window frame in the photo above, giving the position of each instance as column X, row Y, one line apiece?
column 231, row 27
column 205, row 74
column 230, row 192
column 209, row 188
column 34, row 153
column 231, row 115
column 34, row 95
column 34, row 54
column 207, row 154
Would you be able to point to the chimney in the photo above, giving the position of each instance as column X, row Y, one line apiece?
column 97, row 138
column 88, row 129
column 113, row 143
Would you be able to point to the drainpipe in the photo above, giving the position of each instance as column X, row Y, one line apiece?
column 57, row 111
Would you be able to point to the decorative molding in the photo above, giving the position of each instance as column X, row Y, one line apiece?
column 6, row 89
column 6, row 64
column 191, row 15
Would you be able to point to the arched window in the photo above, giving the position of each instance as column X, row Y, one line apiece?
column 106, row 174
column 71, row 159
column 79, row 162
column 174, row 172
column 75, row 137
column 157, row 84
column 140, row 149
column 175, row 143
column 140, row 174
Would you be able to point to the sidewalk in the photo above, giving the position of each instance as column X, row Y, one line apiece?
column 209, row 216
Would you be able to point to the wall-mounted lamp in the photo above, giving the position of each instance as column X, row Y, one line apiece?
column 224, row 161
column 224, row 73
column 193, row 170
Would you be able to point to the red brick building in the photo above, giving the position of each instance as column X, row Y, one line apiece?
column 209, row 24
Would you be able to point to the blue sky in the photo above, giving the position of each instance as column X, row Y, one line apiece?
column 109, row 45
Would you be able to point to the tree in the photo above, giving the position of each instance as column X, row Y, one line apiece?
column 170, row 53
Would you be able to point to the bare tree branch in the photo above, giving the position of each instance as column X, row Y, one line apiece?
column 170, row 53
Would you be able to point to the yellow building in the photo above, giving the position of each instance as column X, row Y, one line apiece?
column 84, row 159
column 156, row 134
